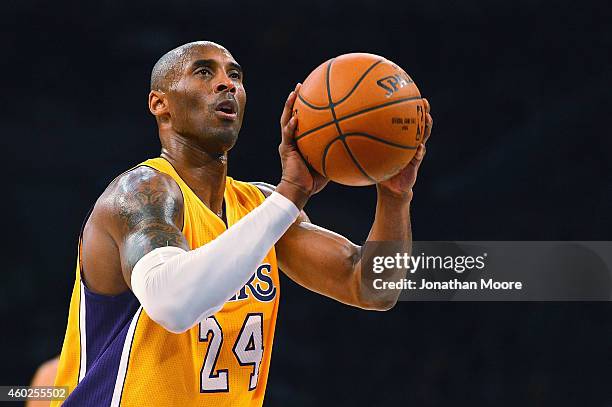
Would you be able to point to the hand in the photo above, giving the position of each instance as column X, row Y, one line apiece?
column 401, row 184
column 298, row 182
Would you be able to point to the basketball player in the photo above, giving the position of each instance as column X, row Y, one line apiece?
column 177, row 284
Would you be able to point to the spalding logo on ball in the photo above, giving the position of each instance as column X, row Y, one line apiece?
column 360, row 119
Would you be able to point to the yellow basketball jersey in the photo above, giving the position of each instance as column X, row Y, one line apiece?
column 114, row 354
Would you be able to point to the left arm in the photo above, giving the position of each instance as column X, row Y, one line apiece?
column 330, row 264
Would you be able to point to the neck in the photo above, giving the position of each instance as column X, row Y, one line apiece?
column 203, row 172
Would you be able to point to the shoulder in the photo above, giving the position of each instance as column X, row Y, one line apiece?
column 142, row 179
column 138, row 193
column 137, row 199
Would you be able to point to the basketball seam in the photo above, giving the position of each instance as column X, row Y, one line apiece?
column 359, row 81
column 376, row 138
column 344, row 136
column 350, row 116
column 310, row 105
column 359, row 167
column 327, row 147
column 340, row 135
column 315, row 107
column 381, row 140
column 333, row 112
column 331, row 103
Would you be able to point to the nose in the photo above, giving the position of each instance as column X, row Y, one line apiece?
column 225, row 85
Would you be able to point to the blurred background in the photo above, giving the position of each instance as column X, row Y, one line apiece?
column 520, row 95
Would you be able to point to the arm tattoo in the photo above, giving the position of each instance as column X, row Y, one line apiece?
column 149, row 212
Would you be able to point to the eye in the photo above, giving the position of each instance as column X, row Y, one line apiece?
column 235, row 75
column 204, row 72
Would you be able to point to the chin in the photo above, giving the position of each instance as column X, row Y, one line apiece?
column 221, row 140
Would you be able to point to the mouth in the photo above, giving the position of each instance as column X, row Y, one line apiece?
column 227, row 109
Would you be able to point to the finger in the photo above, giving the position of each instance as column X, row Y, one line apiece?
column 428, row 127
column 411, row 171
column 288, row 108
column 286, row 115
column 296, row 93
column 288, row 132
column 420, row 153
column 427, row 107
column 418, row 157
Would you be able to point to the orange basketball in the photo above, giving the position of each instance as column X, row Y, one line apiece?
column 360, row 119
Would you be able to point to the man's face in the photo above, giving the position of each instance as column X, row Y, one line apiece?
column 207, row 100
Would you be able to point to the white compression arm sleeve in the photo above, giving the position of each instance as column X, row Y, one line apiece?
column 178, row 289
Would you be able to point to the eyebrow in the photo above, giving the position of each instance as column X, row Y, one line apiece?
column 211, row 62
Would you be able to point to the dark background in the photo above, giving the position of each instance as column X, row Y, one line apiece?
column 520, row 95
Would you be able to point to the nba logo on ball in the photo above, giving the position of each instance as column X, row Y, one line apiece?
column 360, row 119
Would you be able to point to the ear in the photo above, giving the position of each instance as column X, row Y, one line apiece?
column 158, row 103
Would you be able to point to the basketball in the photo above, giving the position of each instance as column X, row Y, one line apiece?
column 360, row 119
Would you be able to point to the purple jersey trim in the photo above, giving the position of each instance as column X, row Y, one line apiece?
column 107, row 320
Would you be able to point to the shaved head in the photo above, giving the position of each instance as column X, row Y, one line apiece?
column 197, row 94
column 167, row 70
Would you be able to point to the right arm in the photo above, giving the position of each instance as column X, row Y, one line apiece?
column 177, row 287
column 147, row 212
